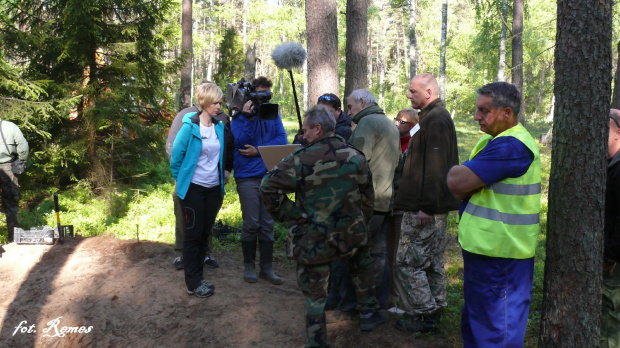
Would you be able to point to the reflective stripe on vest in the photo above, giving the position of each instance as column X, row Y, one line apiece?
column 502, row 220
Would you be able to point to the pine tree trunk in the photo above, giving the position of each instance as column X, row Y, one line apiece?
column 542, row 86
column 322, row 29
column 502, row 44
column 413, row 55
column 517, row 53
column 442, row 59
column 615, row 102
column 250, row 63
column 185, row 99
column 574, row 251
column 356, row 71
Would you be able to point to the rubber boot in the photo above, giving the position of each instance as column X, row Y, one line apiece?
column 249, row 254
column 266, row 258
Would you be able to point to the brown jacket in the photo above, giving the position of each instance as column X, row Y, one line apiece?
column 432, row 152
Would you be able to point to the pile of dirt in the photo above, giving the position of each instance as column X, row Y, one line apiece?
column 113, row 293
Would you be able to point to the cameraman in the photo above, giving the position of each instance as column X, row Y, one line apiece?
column 250, row 132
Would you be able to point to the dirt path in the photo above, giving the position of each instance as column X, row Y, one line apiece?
column 116, row 293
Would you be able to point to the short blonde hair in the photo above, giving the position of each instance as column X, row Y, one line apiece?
column 410, row 114
column 206, row 94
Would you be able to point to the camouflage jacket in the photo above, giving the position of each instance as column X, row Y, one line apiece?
column 334, row 199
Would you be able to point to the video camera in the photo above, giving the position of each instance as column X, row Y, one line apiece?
column 237, row 94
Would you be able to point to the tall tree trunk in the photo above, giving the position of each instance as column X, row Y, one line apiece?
column 185, row 99
column 517, row 53
column 615, row 102
column 322, row 29
column 356, row 71
column 413, row 54
column 502, row 44
column 574, row 252
column 250, row 63
column 442, row 59
column 542, row 86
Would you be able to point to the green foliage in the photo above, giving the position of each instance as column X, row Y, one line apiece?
column 231, row 59
column 102, row 62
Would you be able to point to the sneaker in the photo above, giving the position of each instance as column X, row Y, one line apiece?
column 376, row 319
column 178, row 262
column 207, row 284
column 209, row 261
column 201, row 291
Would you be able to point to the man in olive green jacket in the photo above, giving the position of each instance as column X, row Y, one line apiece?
column 378, row 138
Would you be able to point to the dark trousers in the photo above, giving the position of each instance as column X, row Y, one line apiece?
column 179, row 228
column 10, row 196
column 200, row 208
column 341, row 287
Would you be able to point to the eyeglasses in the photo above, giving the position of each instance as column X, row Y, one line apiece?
column 615, row 118
column 326, row 98
column 401, row 121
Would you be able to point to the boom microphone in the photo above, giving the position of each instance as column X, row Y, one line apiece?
column 289, row 55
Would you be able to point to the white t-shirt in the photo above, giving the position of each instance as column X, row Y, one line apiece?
column 206, row 173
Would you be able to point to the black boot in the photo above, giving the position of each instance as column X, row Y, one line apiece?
column 266, row 258
column 419, row 323
column 249, row 254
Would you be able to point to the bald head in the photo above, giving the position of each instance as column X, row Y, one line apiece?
column 423, row 90
column 614, row 132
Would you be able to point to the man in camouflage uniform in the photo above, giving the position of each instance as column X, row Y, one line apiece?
column 13, row 146
column 328, row 219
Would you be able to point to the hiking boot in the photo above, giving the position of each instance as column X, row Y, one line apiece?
column 203, row 290
column 210, row 261
column 208, row 284
column 418, row 324
column 372, row 321
column 249, row 253
column 266, row 259
column 178, row 262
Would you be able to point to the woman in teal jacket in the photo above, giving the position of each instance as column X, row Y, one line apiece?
column 201, row 162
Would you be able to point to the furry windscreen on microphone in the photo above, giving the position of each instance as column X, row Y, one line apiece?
column 289, row 55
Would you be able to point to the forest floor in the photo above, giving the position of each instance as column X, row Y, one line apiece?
column 122, row 293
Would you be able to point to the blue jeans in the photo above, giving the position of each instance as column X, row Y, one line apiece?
column 497, row 300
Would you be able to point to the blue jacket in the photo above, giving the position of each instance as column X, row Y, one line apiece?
column 186, row 150
column 257, row 133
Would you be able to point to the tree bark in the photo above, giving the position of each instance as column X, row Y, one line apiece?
column 542, row 86
column 185, row 99
column 615, row 102
column 322, row 29
column 356, row 70
column 250, row 63
column 413, row 55
column 502, row 44
column 573, row 265
column 517, row 53
column 442, row 58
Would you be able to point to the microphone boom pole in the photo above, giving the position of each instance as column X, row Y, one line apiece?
column 296, row 102
column 288, row 56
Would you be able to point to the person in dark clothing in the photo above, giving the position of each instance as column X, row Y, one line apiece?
column 610, row 310
column 343, row 121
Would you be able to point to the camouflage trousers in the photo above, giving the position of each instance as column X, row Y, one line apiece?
column 10, row 197
column 313, row 279
column 421, row 285
column 610, row 310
